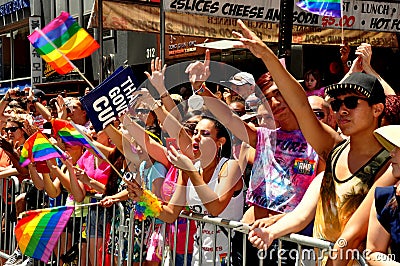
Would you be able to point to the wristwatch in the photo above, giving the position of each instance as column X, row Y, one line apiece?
column 157, row 103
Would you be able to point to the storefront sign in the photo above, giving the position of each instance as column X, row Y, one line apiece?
column 110, row 99
column 135, row 17
column 13, row 6
column 358, row 15
column 36, row 60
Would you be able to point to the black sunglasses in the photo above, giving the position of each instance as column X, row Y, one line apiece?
column 142, row 111
column 319, row 114
column 350, row 102
column 12, row 129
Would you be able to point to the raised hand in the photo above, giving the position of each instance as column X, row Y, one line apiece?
column 144, row 98
column 198, row 71
column 364, row 51
column 250, row 40
column 180, row 160
column 356, row 66
column 157, row 76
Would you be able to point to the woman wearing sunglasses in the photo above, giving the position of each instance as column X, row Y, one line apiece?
column 15, row 133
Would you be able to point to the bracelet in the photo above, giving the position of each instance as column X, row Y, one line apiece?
column 148, row 206
column 156, row 105
column 201, row 89
column 165, row 94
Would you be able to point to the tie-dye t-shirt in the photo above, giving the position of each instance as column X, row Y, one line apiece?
column 284, row 166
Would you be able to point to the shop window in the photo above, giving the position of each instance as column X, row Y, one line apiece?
column 21, row 53
column 14, row 55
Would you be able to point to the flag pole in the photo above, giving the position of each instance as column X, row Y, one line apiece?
column 100, row 153
column 341, row 18
column 64, row 56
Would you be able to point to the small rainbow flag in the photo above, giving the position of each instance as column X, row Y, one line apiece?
column 38, row 148
column 38, row 231
column 63, row 36
column 69, row 134
column 330, row 8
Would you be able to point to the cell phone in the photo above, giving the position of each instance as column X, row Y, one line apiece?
column 171, row 142
column 42, row 167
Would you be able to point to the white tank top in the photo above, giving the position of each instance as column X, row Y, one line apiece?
column 233, row 211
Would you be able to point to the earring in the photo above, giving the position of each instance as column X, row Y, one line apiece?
column 220, row 151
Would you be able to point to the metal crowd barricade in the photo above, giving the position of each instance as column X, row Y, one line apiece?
column 243, row 229
column 9, row 188
column 118, row 244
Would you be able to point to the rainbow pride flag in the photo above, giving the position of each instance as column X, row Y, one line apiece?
column 38, row 148
column 330, row 8
column 69, row 134
column 38, row 231
column 63, row 35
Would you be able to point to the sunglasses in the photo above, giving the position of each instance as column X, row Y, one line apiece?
column 12, row 129
column 350, row 102
column 142, row 111
column 319, row 114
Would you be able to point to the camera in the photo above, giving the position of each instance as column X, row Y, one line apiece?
column 20, row 93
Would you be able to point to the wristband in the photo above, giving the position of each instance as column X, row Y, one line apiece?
column 201, row 89
column 165, row 94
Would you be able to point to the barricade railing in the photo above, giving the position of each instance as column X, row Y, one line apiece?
column 9, row 188
column 109, row 236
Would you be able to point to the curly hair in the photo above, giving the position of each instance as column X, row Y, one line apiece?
column 392, row 110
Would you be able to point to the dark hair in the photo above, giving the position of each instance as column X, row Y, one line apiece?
column 316, row 74
column 263, row 83
column 392, row 110
column 117, row 159
column 226, row 150
column 264, row 80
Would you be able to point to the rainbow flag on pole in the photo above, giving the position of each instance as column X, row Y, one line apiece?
column 330, row 8
column 38, row 148
column 69, row 134
column 38, row 231
column 62, row 40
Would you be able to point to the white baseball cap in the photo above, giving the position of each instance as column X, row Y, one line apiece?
column 242, row 78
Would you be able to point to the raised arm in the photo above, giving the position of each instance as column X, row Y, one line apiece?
column 152, row 147
column 199, row 73
column 363, row 63
column 168, row 114
column 321, row 138
column 4, row 103
column 157, row 79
